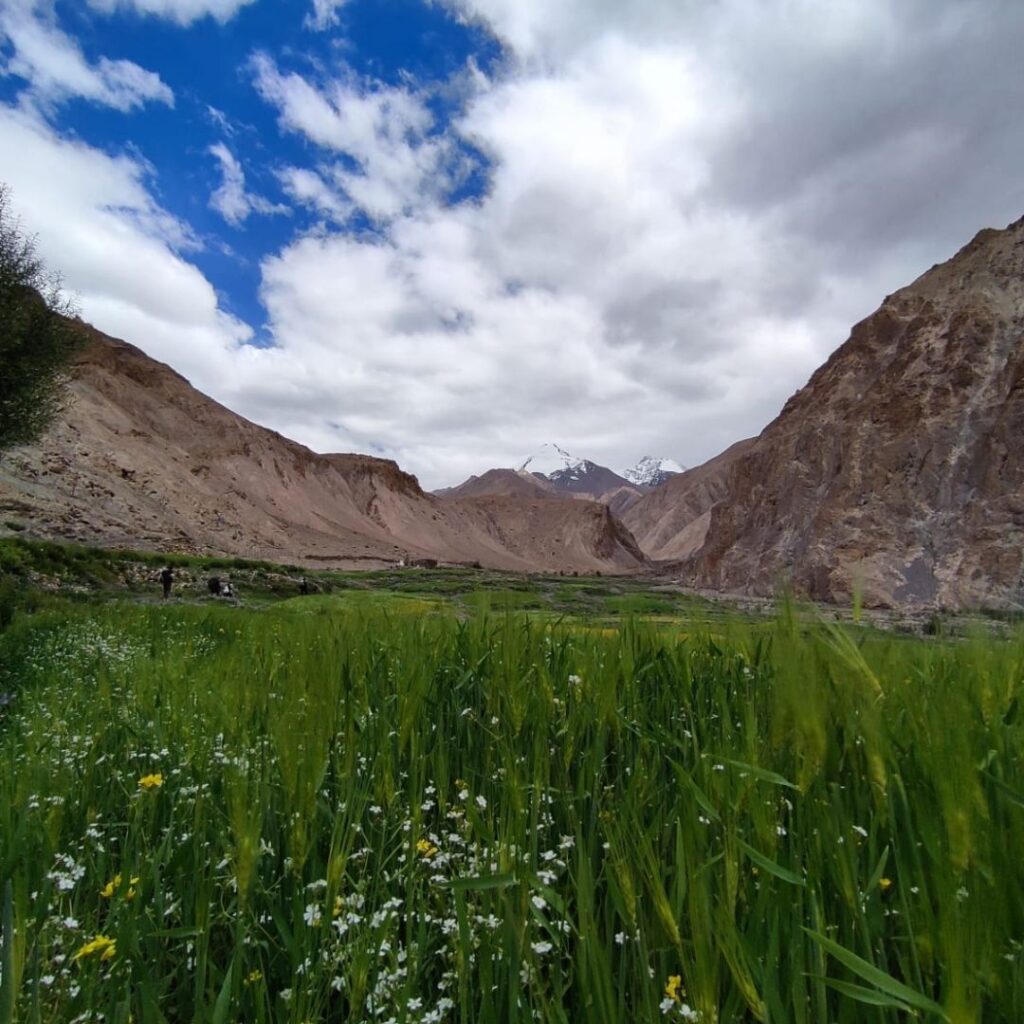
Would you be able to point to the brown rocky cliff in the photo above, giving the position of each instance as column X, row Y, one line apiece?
column 142, row 459
column 899, row 468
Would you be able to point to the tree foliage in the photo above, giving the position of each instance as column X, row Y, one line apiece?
column 37, row 335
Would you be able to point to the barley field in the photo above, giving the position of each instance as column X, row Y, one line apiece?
column 396, row 811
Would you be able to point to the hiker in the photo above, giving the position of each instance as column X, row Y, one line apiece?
column 166, row 579
column 213, row 585
column 226, row 590
column 303, row 585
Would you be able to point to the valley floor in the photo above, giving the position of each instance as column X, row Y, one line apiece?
column 444, row 796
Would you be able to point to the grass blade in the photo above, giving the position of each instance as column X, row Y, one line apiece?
column 7, row 984
column 877, row 977
column 766, row 864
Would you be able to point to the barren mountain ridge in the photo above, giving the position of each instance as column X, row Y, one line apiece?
column 143, row 459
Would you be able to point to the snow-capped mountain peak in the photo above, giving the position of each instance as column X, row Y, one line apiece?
column 550, row 458
column 568, row 473
column 650, row 472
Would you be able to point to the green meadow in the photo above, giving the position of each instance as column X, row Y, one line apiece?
column 559, row 801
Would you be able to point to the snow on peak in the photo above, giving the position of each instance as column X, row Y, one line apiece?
column 548, row 459
column 649, row 471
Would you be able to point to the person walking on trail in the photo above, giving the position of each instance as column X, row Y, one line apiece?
column 303, row 585
column 166, row 579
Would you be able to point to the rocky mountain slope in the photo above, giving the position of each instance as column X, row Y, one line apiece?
column 671, row 522
column 142, row 459
column 899, row 468
column 588, row 479
column 501, row 482
column 621, row 499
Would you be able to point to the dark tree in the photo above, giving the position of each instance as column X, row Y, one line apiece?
column 37, row 335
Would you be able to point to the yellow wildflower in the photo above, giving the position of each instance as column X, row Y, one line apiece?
column 253, row 977
column 674, row 988
column 884, row 883
column 154, row 781
column 102, row 944
column 114, row 886
column 338, row 907
column 426, row 848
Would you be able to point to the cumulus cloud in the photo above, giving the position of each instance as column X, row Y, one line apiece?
column 118, row 251
column 379, row 153
column 324, row 14
column 683, row 209
column 56, row 69
column 309, row 189
column 231, row 199
column 184, row 12
column 688, row 206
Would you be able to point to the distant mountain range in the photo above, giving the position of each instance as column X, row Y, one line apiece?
column 897, row 471
column 552, row 471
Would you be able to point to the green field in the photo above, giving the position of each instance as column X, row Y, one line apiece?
column 553, row 800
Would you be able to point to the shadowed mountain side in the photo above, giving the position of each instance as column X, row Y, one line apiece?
column 621, row 499
column 587, row 479
column 142, row 459
column 899, row 468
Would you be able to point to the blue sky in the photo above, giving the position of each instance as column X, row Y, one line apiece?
column 450, row 232
column 208, row 64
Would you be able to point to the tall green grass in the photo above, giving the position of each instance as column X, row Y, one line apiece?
column 393, row 815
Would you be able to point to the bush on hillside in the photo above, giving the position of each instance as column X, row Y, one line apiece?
column 37, row 336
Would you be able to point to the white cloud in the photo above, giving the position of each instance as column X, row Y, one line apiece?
column 184, row 12
column 230, row 199
column 384, row 131
column 688, row 207
column 118, row 251
column 309, row 188
column 580, row 300
column 324, row 14
column 221, row 120
column 56, row 69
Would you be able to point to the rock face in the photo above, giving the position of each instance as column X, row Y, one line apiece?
column 898, row 469
column 142, row 459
